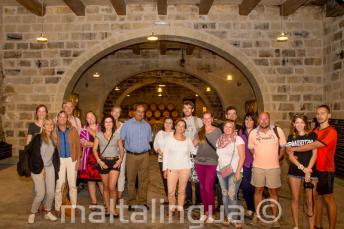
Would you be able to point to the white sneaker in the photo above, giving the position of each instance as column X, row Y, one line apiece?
column 50, row 217
column 203, row 218
column 31, row 219
column 210, row 219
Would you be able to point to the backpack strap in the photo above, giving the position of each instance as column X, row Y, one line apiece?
column 196, row 123
column 276, row 132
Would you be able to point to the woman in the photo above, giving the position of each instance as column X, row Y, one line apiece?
column 87, row 168
column 109, row 160
column 250, row 122
column 231, row 153
column 206, row 163
column 44, row 164
column 177, row 165
column 159, row 143
column 302, row 167
column 36, row 127
column 116, row 113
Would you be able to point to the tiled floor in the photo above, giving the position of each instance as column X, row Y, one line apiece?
column 16, row 199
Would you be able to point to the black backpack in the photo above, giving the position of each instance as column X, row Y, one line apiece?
column 23, row 167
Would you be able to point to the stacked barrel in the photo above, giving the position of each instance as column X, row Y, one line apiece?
column 157, row 112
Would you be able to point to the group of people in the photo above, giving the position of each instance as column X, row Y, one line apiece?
column 191, row 152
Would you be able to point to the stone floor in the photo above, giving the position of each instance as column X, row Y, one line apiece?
column 16, row 199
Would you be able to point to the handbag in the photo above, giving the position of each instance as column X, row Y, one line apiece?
column 227, row 170
column 23, row 167
column 96, row 165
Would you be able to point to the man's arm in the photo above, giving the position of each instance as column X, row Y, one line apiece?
column 311, row 146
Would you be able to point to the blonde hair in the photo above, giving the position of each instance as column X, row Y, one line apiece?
column 44, row 135
column 293, row 131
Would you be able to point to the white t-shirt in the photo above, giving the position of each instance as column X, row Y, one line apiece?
column 191, row 130
column 177, row 153
column 225, row 154
column 159, row 141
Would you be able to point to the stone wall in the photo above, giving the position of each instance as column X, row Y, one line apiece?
column 288, row 74
column 334, row 66
column 2, row 107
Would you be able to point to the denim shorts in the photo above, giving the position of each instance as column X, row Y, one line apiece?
column 313, row 179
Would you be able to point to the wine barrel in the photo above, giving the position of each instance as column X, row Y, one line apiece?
column 166, row 114
column 145, row 106
column 131, row 113
column 161, row 106
column 170, row 107
column 157, row 114
column 149, row 114
column 175, row 114
column 153, row 106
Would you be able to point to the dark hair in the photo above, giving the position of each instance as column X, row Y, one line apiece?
column 293, row 130
column 39, row 107
column 251, row 115
column 166, row 118
column 324, row 106
column 68, row 124
column 102, row 126
column 86, row 123
column 139, row 105
column 189, row 103
column 179, row 120
column 231, row 108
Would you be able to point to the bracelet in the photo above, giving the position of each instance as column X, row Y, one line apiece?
column 301, row 167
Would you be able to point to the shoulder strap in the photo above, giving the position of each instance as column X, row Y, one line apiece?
column 210, row 144
column 196, row 123
column 276, row 132
column 106, row 145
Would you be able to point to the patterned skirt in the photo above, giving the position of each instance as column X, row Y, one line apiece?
column 91, row 173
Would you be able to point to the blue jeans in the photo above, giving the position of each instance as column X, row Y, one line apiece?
column 230, row 190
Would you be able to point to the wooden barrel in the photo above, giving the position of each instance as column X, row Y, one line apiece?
column 175, row 114
column 170, row 107
column 145, row 106
column 166, row 113
column 153, row 106
column 149, row 114
column 131, row 113
column 157, row 114
column 161, row 106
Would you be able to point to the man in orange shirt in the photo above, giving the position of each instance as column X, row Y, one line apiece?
column 326, row 145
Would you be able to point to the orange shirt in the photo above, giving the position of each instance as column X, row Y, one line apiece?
column 265, row 147
column 325, row 154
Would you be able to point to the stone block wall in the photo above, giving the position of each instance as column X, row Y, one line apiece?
column 293, row 71
column 334, row 65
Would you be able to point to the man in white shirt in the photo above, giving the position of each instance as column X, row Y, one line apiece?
column 193, row 125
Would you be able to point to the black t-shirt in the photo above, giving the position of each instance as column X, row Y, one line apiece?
column 34, row 129
column 302, row 157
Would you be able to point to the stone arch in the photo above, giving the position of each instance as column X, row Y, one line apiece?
column 180, row 34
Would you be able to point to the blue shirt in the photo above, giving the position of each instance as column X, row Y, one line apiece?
column 136, row 136
column 64, row 144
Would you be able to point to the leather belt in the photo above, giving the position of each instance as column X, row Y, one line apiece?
column 136, row 153
column 109, row 158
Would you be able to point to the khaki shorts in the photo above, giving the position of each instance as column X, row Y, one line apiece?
column 270, row 178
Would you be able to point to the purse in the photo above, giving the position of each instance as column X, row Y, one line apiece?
column 96, row 165
column 228, row 169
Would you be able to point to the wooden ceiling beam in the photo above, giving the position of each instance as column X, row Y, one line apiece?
column 34, row 6
column 162, row 7
column 290, row 6
column 204, row 6
column 247, row 6
column 119, row 6
column 76, row 6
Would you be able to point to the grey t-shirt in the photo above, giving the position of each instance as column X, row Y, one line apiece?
column 112, row 149
column 206, row 155
column 47, row 152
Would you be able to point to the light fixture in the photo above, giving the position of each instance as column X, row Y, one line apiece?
column 96, row 75
column 152, row 37
column 196, row 95
column 282, row 37
column 117, row 88
column 128, row 95
column 161, row 23
column 42, row 37
column 159, row 89
column 208, row 89
column 229, row 77
column 162, row 85
column 204, row 109
column 159, row 94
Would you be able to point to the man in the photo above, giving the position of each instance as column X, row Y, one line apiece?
column 68, row 107
column 68, row 145
column 116, row 113
column 267, row 144
column 136, row 135
column 193, row 125
column 325, row 165
column 231, row 115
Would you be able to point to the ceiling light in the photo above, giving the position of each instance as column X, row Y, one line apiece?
column 159, row 89
column 282, row 37
column 152, row 37
column 208, row 89
column 117, row 88
column 128, row 95
column 229, row 77
column 96, row 75
column 196, row 95
column 162, row 85
column 161, row 23
column 42, row 38
column 159, row 94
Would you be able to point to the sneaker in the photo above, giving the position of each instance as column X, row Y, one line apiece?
column 203, row 218
column 31, row 219
column 210, row 219
column 50, row 217
column 254, row 220
column 275, row 225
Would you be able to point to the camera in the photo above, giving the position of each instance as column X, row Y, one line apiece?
column 308, row 185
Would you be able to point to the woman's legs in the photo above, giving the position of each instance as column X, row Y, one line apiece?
column 202, row 174
column 248, row 189
column 106, row 195
column 184, row 175
column 49, row 187
column 163, row 179
column 39, row 185
column 295, row 186
column 92, row 190
column 311, row 198
column 233, row 188
column 209, row 186
column 224, row 187
column 172, row 179
column 113, row 178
